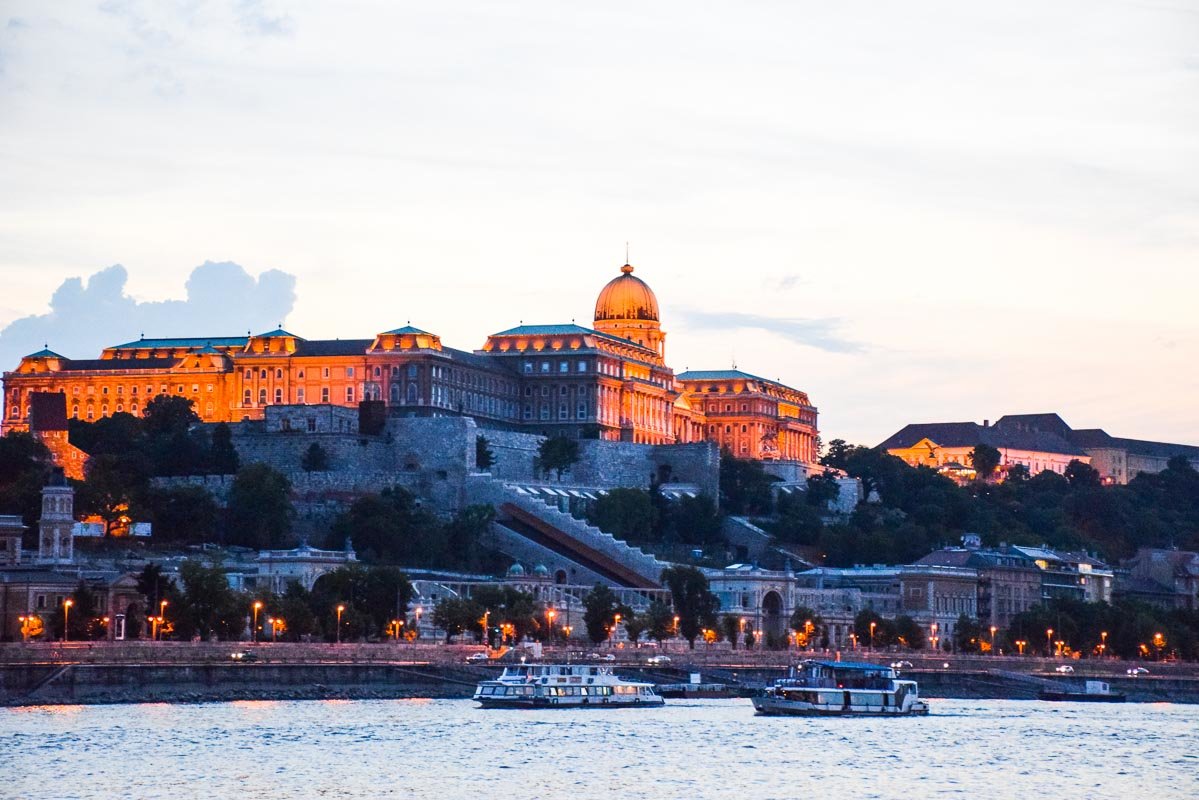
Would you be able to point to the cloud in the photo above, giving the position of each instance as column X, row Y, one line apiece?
column 818, row 333
column 222, row 300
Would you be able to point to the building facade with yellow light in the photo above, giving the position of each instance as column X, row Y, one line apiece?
column 610, row 381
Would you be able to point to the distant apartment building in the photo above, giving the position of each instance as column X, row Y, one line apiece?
column 1164, row 578
column 1039, row 442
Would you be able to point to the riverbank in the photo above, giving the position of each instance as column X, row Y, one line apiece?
column 137, row 672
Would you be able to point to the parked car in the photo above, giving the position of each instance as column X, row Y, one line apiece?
column 1135, row 671
column 474, row 657
column 901, row 665
column 244, row 656
column 655, row 661
column 1064, row 669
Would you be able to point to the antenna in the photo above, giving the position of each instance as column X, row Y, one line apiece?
column 626, row 252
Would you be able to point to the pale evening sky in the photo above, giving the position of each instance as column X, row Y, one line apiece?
column 919, row 211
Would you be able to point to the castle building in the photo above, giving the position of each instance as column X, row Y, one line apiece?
column 610, row 381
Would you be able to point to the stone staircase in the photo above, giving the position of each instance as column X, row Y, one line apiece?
column 572, row 538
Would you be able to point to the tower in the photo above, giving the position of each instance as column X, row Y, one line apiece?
column 627, row 308
column 56, row 537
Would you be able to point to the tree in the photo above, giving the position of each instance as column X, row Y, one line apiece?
column 659, row 621
column 557, row 454
column 822, row 489
column 745, row 486
column 183, row 514
column 315, row 459
column 206, row 605
column 372, row 597
column 222, row 457
column 985, row 460
column 730, row 627
column 1082, row 476
column 694, row 603
column 295, row 607
column 393, row 528
column 837, row 454
column 484, row 457
column 693, row 520
column 600, row 609
column 806, row 623
column 259, row 510
column 966, row 634
column 624, row 513
column 909, row 633
column 509, row 609
column 175, row 444
column 464, row 534
column 458, row 615
column 1017, row 473
column 25, row 465
column 634, row 626
column 82, row 619
column 114, row 487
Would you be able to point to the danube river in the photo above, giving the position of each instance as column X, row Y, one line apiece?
column 447, row 749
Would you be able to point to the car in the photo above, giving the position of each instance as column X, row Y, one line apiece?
column 607, row 657
column 655, row 661
column 475, row 657
column 901, row 665
column 1064, row 669
column 244, row 656
column 1135, row 671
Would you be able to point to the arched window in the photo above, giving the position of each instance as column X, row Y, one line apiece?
column 279, row 374
column 245, row 398
column 278, row 396
column 395, row 393
column 412, row 393
column 262, row 374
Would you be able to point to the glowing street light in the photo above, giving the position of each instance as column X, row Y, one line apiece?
column 1102, row 643
column 340, row 610
column 993, row 629
column 615, row 625
column 1049, row 641
column 550, row 613
column 1020, row 645
column 257, row 606
column 872, row 627
column 66, row 617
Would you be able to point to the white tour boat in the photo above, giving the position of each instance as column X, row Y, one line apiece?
column 564, row 686
column 840, row 688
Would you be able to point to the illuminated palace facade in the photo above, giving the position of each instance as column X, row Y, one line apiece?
column 610, row 381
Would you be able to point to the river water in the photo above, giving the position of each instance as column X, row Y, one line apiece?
column 448, row 749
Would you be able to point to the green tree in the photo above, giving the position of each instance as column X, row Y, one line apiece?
column 730, row 628
column 694, row 603
column 909, row 633
column 393, row 528
column 484, row 457
column 600, row 609
column 260, row 509
column 659, row 621
column 115, row 487
column 506, row 605
column 557, row 454
column 464, row 534
column 693, row 520
column 1082, row 475
column 222, row 456
column 25, row 465
column 315, row 459
column 372, row 596
column 459, row 615
column 745, row 486
column 175, row 443
column 82, row 619
column 807, row 624
column 182, row 514
column 206, row 605
column 967, row 635
column 624, row 513
column 295, row 607
column 985, row 460
column 635, row 625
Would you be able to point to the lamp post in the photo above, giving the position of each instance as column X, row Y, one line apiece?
column 615, row 625
column 1020, row 645
column 483, row 622
column 1102, row 643
column 162, row 613
column 550, row 613
column 66, row 618
column 340, row 610
column 24, row 631
column 1049, row 641
column 872, row 627
column 993, row 629
column 257, row 606
column 419, row 610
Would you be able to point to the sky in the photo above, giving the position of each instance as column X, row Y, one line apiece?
column 915, row 212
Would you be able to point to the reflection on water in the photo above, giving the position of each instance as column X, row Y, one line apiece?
column 448, row 749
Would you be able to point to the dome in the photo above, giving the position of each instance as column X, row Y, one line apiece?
column 541, row 571
column 516, row 571
column 626, row 297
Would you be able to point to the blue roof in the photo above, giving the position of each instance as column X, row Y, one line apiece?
column 44, row 353
column 407, row 330
column 217, row 341
column 548, row 330
column 277, row 332
column 858, row 665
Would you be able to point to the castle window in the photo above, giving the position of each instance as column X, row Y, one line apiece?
column 195, row 388
column 582, row 412
column 245, row 398
column 326, row 372
column 15, row 412
column 133, row 407
column 104, row 390
column 325, row 394
column 395, row 393
column 132, row 390
column 208, row 409
column 545, row 411
column 279, row 374
column 743, row 429
column 75, row 390
column 262, row 374
column 104, row 411
column 411, row 371
column 582, row 366
column 545, row 366
column 300, row 395
column 90, row 413
column 528, row 411
column 300, row 374
column 262, row 397
column 563, row 413
column 378, row 371
column 180, row 388
column 74, row 412
column 249, row 374
column 349, row 372
column 564, row 391
column 564, row 366
column 120, row 408
column 120, row 390
column 545, row 391
column 350, row 392
column 278, row 396
column 312, row 425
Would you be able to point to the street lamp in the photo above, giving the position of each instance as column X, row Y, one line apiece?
column 1020, row 645
column 550, row 613
column 1049, row 641
column 162, row 612
column 676, row 625
column 993, row 629
column 24, row 630
column 615, row 625
column 1103, row 643
column 254, row 626
column 419, row 610
column 340, row 609
column 66, row 617
column 872, row 626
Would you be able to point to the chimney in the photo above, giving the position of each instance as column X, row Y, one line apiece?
column 986, row 423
